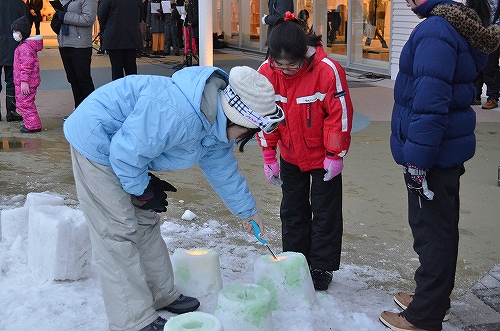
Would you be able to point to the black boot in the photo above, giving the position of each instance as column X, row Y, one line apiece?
column 12, row 114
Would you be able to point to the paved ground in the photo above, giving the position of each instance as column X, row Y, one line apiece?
column 477, row 309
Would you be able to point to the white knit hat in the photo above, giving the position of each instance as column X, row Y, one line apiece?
column 254, row 90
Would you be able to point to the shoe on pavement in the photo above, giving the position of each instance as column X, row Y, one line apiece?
column 157, row 325
column 24, row 129
column 403, row 300
column 183, row 304
column 321, row 279
column 490, row 104
column 397, row 322
column 13, row 116
column 476, row 102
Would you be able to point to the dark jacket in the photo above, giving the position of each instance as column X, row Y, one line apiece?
column 120, row 24
column 192, row 17
column 277, row 10
column 432, row 121
column 10, row 10
column 37, row 6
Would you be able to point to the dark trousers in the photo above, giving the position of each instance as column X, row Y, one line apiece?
column 10, row 101
column 434, row 226
column 312, row 226
column 76, row 62
column 122, row 60
column 490, row 76
column 32, row 20
column 171, row 39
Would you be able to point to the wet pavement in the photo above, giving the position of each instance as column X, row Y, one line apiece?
column 376, row 231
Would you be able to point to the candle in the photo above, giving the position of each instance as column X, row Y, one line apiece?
column 287, row 279
column 197, row 271
column 244, row 307
column 193, row 321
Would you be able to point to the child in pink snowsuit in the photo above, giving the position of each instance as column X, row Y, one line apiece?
column 26, row 74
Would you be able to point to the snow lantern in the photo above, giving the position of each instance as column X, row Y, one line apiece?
column 244, row 307
column 193, row 321
column 287, row 279
column 197, row 271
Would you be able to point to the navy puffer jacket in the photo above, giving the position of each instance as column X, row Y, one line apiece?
column 432, row 121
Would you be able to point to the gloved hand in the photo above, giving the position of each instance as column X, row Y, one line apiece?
column 25, row 88
column 264, row 19
column 151, row 200
column 272, row 167
column 333, row 167
column 160, row 184
column 154, row 194
column 416, row 182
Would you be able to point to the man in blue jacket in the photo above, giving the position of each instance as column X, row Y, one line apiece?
column 432, row 136
column 151, row 123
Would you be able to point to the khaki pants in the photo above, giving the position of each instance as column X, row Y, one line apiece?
column 131, row 256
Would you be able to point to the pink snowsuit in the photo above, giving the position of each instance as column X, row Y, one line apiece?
column 27, row 69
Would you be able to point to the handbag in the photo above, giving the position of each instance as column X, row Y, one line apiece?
column 56, row 22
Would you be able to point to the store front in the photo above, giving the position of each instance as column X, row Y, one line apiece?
column 357, row 33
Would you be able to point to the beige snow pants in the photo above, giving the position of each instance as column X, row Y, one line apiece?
column 131, row 256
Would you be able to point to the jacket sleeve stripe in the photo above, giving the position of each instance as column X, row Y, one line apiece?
column 340, row 88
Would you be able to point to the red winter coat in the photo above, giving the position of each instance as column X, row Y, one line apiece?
column 318, row 112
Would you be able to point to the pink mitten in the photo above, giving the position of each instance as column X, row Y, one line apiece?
column 333, row 167
column 272, row 167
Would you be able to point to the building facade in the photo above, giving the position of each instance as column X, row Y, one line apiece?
column 365, row 35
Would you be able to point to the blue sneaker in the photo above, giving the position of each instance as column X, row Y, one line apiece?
column 182, row 305
column 157, row 325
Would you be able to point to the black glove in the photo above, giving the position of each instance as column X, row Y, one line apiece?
column 153, row 200
column 416, row 182
column 160, row 184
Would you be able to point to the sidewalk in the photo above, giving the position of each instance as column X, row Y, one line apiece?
column 476, row 310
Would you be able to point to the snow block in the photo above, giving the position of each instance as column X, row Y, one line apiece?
column 14, row 223
column 44, row 198
column 59, row 245
column 244, row 307
column 287, row 279
column 193, row 321
column 197, row 271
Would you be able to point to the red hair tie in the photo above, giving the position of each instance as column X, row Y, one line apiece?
column 290, row 16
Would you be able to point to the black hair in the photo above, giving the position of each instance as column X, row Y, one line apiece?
column 482, row 8
column 246, row 137
column 288, row 41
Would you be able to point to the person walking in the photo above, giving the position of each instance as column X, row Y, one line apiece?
column 171, row 20
column 490, row 75
column 75, row 45
column 26, row 73
column 138, row 124
column 35, row 15
column 277, row 10
column 122, row 38
column 155, row 21
column 10, row 10
column 432, row 135
column 312, row 90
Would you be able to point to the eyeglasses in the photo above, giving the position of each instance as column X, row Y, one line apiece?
column 267, row 123
column 294, row 67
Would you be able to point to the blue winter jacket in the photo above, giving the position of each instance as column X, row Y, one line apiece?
column 432, row 121
column 140, row 123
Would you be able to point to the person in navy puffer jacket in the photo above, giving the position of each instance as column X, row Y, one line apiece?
column 432, row 136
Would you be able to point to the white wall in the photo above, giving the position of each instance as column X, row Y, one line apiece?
column 403, row 22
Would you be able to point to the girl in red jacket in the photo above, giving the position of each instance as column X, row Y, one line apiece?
column 312, row 141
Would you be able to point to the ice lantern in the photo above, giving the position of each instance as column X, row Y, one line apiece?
column 244, row 307
column 193, row 321
column 287, row 279
column 197, row 271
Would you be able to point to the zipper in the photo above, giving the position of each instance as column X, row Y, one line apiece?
column 308, row 115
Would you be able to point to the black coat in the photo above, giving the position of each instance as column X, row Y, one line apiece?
column 10, row 10
column 37, row 6
column 120, row 24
